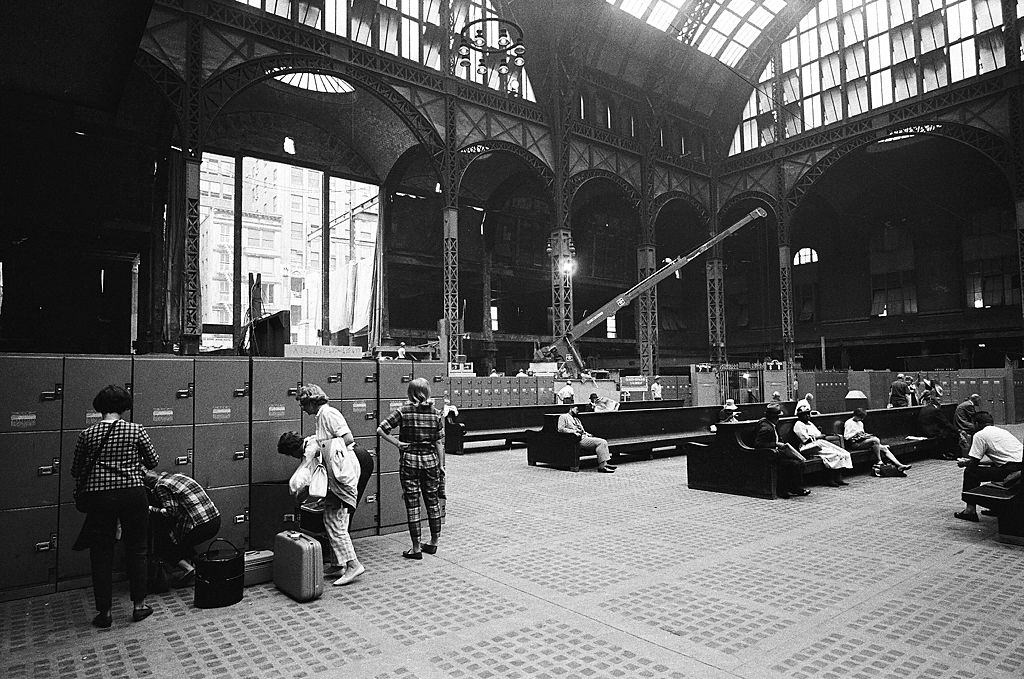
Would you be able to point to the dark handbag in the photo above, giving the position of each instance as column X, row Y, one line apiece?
column 220, row 577
column 79, row 505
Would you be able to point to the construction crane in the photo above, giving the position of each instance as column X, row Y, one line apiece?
column 565, row 346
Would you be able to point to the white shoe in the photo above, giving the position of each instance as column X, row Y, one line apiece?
column 350, row 575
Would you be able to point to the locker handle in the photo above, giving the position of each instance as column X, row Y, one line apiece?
column 239, row 455
column 406, row 378
column 46, row 471
column 238, row 518
column 183, row 393
column 334, row 378
column 439, row 378
column 49, row 545
column 371, row 499
column 288, row 518
column 183, row 459
column 371, row 416
column 244, row 391
column 370, row 378
column 293, row 391
column 56, row 395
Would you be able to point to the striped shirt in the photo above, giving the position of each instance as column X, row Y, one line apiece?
column 120, row 463
column 179, row 497
column 423, row 427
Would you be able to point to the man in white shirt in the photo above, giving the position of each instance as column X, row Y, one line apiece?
column 569, row 423
column 656, row 389
column 566, row 393
column 1003, row 451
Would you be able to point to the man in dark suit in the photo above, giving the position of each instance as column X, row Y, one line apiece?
column 934, row 424
column 899, row 393
column 789, row 462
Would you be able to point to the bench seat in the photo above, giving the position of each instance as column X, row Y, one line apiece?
column 1008, row 505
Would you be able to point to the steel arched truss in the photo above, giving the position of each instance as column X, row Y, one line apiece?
column 467, row 154
column 577, row 181
column 664, row 199
column 167, row 82
column 769, row 202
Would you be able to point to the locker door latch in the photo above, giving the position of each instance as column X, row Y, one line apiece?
column 186, row 393
column 48, row 545
column 244, row 391
column 371, row 499
column 294, row 391
column 371, row 416
column 334, row 378
column 242, row 454
column 370, row 378
column 288, row 518
column 56, row 395
column 406, row 378
column 184, row 459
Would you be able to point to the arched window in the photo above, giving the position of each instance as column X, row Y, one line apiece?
column 848, row 57
column 805, row 256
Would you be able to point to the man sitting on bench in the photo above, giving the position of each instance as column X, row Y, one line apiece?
column 569, row 423
column 790, row 463
column 603, row 404
column 1003, row 451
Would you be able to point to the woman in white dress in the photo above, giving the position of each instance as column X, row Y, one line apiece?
column 813, row 442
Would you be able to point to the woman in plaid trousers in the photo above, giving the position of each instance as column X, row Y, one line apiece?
column 420, row 443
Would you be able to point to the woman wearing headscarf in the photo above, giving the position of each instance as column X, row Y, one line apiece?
column 813, row 442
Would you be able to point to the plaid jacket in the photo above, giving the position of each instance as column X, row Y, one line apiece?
column 423, row 427
column 120, row 463
column 180, row 498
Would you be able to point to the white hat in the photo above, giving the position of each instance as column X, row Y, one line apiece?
column 730, row 404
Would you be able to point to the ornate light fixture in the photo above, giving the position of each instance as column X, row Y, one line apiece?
column 509, row 45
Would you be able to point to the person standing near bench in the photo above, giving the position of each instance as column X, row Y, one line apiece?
column 964, row 419
column 656, row 389
column 566, row 394
column 790, row 462
column 569, row 423
column 935, row 425
column 858, row 439
column 1003, row 450
column 899, row 393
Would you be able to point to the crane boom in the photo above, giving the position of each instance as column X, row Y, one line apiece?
column 567, row 343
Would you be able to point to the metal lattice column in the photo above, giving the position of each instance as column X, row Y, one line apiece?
column 451, row 281
column 193, row 322
column 782, row 228
column 562, row 261
column 647, row 313
column 714, row 270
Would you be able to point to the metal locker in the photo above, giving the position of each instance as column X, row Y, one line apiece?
column 531, row 395
column 233, row 504
column 387, row 459
column 434, row 372
column 267, row 464
column 30, row 399
column 174, row 446
column 392, row 506
column 518, row 385
column 274, row 387
column 273, row 510
column 221, row 454
column 31, row 469
column 455, row 391
column 361, row 416
column 222, row 390
column 359, row 380
column 84, row 376
column 394, row 378
column 366, row 514
column 163, row 390
column 28, row 560
column 326, row 373
column 506, row 391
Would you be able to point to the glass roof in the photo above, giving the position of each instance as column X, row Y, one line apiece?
column 314, row 82
column 725, row 32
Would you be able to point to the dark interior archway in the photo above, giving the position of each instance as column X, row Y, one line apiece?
column 682, row 300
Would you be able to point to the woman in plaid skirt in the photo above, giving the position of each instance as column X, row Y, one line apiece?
column 420, row 443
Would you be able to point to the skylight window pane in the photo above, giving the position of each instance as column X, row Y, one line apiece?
column 662, row 16
column 726, row 23
column 635, row 7
column 761, row 17
column 741, row 7
column 712, row 43
column 733, row 53
column 746, row 35
column 774, row 6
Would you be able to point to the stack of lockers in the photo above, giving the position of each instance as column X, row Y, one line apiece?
column 830, row 389
column 30, row 408
column 275, row 383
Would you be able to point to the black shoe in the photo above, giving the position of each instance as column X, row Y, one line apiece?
column 611, row 466
column 103, row 620
column 429, row 549
column 409, row 554
column 801, row 492
column 141, row 613
column 606, row 470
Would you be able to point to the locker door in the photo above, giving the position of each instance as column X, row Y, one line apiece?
column 392, row 507
column 387, row 459
column 531, row 396
column 455, row 391
column 361, row 415
column 434, row 372
column 274, row 386
column 273, row 510
column 31, row 464
column 222, row 390
column 30, row 397
column 394, row 378
column 325, row 373
column 267, row 464
column 233, row 504
column 221, row 455
column 366, row 515
column 359, row 380
column 174, row 446
column 517, row 391
column 84, row 376
column 163, row 390
column 28, row 559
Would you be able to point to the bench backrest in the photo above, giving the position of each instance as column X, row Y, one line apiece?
column 644, row 422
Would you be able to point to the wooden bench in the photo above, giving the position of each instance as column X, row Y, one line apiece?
column 732, row 464
column 635, row 431
column 1006, row 500
column 509, row 424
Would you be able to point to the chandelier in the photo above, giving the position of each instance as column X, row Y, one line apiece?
column 493, row 36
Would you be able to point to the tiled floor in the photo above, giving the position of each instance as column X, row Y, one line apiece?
column 545, row 573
